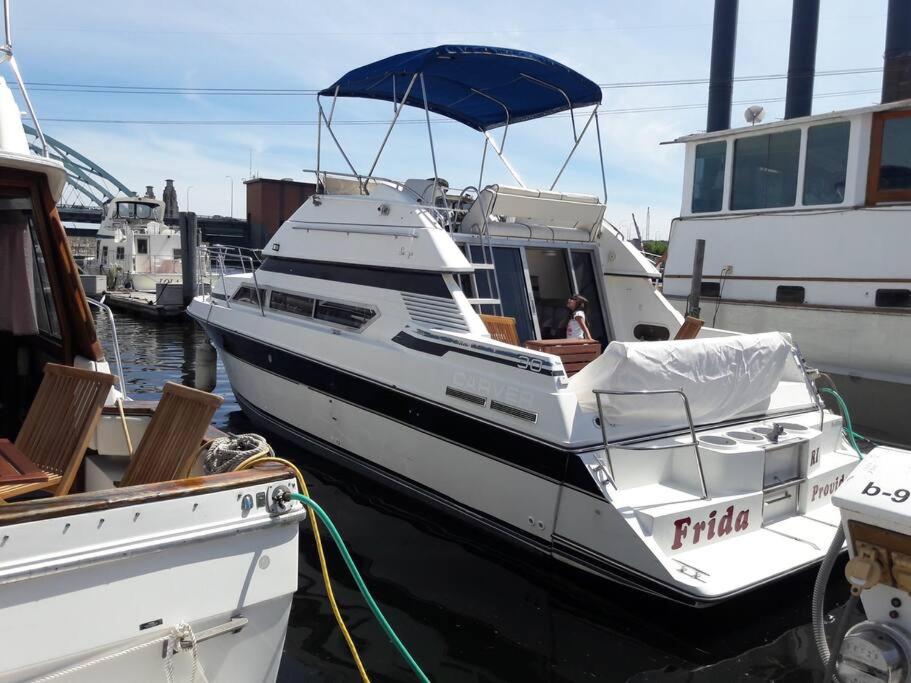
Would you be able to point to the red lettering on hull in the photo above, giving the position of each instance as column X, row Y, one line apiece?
column 718, row 526
column 826, row 490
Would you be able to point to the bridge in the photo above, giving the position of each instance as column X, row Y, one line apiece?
column 89, row 186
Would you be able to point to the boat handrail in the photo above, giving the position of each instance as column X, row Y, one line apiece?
column 244, row 257
column 110, row 315
column 649, row 392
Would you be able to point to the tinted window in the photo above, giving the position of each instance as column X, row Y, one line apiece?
column 120, row 253
column 45, row 310
column 142, row 246
column 586, row 282
column 765, row 171
column 291, row 303
column 511, row 282
column 787, row 294
column 248, row 294
column 134, row 210
column 644, row 332
column 895, row 167
column 343, row 314
column 899, row 298
column 826, row 164
column 710, row 289
column 708, row 176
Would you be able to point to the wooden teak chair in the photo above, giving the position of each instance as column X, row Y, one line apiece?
column 59, row 424
column 502, row 328
column 173, row 437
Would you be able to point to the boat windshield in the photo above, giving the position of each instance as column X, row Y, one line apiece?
column 135, row 210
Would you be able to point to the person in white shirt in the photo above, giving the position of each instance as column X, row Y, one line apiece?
column 577, row 327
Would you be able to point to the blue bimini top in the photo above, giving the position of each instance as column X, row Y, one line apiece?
column 482, row 87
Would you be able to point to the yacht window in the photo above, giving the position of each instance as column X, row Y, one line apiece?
column 710, row 290
column 890, row 158
column 142, row 246
column 177, row 254
column 45, row 309
column 134, row 210
column 551, row 286
column 343, row 314
column 765, row 171
column 510, row 279
column 708, row 176
column 292, row 303
column 787, row 294
column 104, row 253
column 247, row 294
column 587, row 286
column 646, row 332
column 893, row 298
column 119, row 253
column 826, row 163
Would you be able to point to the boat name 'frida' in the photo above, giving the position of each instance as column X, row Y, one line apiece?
column 711, row 527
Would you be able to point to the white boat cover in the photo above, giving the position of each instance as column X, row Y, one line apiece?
column 722, row 377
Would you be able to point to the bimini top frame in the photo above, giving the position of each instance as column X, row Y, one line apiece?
column 482, row 87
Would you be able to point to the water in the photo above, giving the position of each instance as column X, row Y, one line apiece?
column 470, row 607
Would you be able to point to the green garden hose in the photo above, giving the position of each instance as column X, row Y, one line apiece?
column 848, row 427
column 333, row 532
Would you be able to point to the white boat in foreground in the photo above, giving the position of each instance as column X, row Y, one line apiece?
column 139, row 582
column 694, row 469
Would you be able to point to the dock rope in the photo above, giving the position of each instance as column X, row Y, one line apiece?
column 304, row 497
column 172, row 637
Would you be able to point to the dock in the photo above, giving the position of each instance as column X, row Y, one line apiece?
column 144, row 304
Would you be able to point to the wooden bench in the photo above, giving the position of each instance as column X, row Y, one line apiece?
column 575, row 353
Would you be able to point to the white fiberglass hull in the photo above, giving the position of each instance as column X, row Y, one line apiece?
column 98, row 592
column 575, row 527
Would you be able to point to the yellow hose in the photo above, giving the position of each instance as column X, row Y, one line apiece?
column 264, row 456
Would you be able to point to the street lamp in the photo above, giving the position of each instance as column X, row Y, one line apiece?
column 189, row 187
column 231, row 214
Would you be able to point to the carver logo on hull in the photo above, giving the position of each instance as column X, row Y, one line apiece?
column 686, row 531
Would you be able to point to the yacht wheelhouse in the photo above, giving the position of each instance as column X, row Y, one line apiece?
column 135, row 248
column 403, row 327
column 805, row 223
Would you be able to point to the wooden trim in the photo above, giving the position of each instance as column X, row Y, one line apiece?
column 791, row 278
column 64, row 506
column 874, row 194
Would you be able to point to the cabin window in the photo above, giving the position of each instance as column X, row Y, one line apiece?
column 343, row 314
column 177, row 254
column 510, row 280
column 247, row 294
column 587, row 286
column 893, row 298
column 889, row 177
column 787, row 294
column 142, row 246
column 646, row 332
column 134, row 210
column 45, row 309
column 120, row 254
column 708, row 176
column 104, row 253
column 291, row 303
column 826, row 163
column 710, row 290
column 765, row 171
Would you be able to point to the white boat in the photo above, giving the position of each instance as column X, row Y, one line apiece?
column 805, row 222
column 133, row 583
column 695, row 469
column 135, row 247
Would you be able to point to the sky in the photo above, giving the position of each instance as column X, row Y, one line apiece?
column 222, row 139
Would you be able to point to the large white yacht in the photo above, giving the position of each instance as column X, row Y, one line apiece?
column 805, row 222
column 692, row 468
column 135, row 247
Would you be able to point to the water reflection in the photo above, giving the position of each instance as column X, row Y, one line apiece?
column 474, row 608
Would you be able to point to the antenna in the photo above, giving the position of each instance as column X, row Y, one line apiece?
column 754, row 114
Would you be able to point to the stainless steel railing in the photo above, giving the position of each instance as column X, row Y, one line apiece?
column 649, row 392
column 224, row 257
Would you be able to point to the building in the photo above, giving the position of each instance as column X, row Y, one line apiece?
column 270, row 202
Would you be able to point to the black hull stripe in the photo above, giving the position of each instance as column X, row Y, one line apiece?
column 562, row 549
column 437, row 349
column 543, row 459
column 399, row 279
